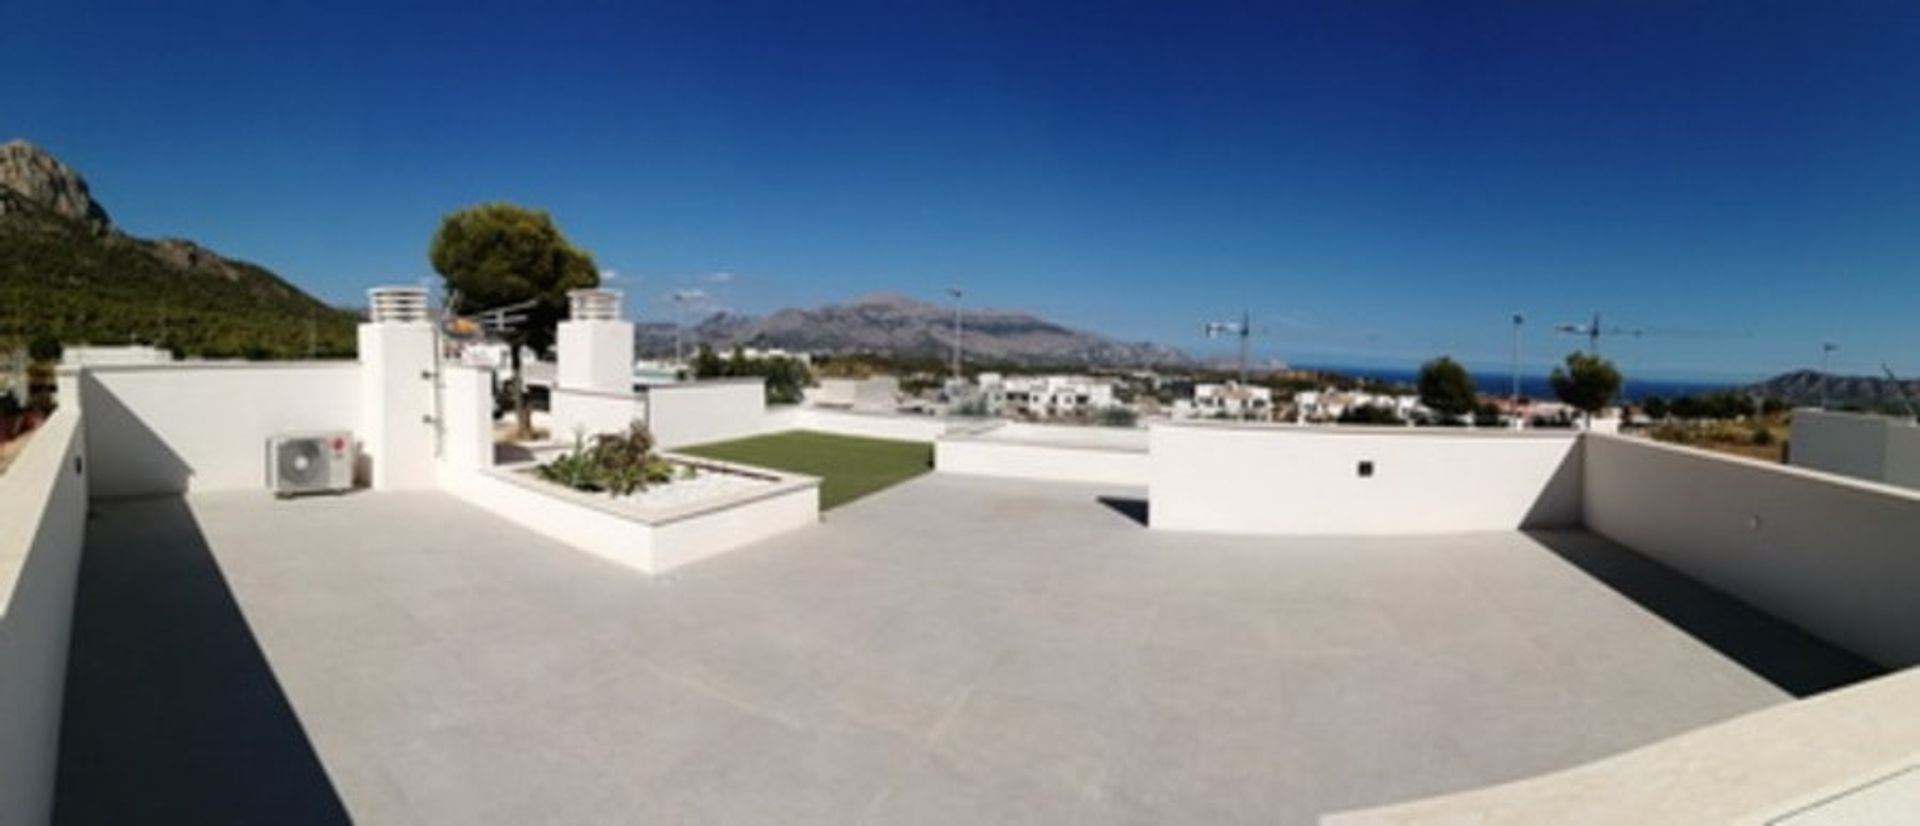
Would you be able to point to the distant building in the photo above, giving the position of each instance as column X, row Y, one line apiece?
column 1329, row 405
column 774, row 352
column 1229, row 400
column 1046, row 397
column 879, row 394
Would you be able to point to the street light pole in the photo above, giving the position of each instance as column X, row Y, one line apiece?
column 1518, row 320
column 1826, row 349
column 957, row 296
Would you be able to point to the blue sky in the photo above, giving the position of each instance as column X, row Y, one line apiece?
column 1376, row 182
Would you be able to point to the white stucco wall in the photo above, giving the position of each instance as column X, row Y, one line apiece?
column 1876, row 448
column 178, row 427
column 905, row 427
column 1049, row 463
column 1839, row 558
column 1285, row 479
column 586, row 413
column 466, row 410
column 695, row 412
column 396, row 427
column 43, row 513
column 594, row 355
column 1054, row 453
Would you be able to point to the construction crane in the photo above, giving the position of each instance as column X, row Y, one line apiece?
column 1242, row 328
column 1593, row 330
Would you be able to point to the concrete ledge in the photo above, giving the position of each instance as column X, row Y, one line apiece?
column 1751, row 770
column 650, row 540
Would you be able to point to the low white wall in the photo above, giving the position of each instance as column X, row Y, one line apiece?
column 1052, row 453
column 43, row 521
column 1837, row 557
column 904, row 427
column 173, row 428
column 692, row 413
column 1050, row 463
column 586, row 413
column 1877, row 448
column 1285, row 479
column 651, row 548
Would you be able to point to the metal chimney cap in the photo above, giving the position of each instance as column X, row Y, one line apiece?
column 593, row 305
column 397, row 305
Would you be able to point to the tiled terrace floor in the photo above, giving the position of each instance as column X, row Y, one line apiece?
column 949, row 651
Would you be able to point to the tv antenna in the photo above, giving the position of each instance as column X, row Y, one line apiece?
column 1242, row 328
column 1900, row 388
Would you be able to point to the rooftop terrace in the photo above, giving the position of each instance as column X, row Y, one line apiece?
column 954, row 649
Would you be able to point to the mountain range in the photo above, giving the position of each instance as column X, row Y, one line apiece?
column 901, row 326
column 66, row 271
column 1803, row 387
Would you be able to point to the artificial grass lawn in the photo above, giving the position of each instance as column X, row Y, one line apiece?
column 849, row 467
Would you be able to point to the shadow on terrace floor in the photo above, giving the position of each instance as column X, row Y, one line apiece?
column 1794, row 660
column 172, row 712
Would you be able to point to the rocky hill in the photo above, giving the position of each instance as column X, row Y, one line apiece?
column 900, row 326
column 66, row 271
column 1802, row 387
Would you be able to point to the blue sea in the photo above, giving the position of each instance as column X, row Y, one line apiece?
column 1531, row 386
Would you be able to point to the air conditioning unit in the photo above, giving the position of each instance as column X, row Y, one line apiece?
column 310, row 462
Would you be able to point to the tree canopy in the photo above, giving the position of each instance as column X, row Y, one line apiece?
column 787, row 378
column 1587, row 382
column 497, row 254
column 1446, row 389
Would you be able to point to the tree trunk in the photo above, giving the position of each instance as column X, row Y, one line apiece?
column 522, row 411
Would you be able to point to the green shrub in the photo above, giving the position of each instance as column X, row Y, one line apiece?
column 618, row 463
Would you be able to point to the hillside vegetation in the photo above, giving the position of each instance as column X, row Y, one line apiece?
column 83, row 282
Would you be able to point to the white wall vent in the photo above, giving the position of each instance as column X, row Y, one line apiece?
column 320, row 462
column 397, row 305
column 593, row 305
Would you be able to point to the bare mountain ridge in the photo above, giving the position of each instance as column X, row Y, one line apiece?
column 901, row 326
column 1803, row 387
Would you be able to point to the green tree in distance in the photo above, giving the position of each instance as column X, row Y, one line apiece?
column 498, row 254
column 1446, row 389
column 1587, row 382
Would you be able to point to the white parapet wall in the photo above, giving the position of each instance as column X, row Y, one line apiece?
column 43, row 520
column 1876, row 448
column 652, row 543
column 1053, row 453
column 696, row 412
column 901, row 426
column 1303, row 480
column 173, row 428
column 1838, row 557
column 585, row 413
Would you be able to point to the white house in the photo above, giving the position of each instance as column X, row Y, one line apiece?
column 1047, row 397
column 1229, row 400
